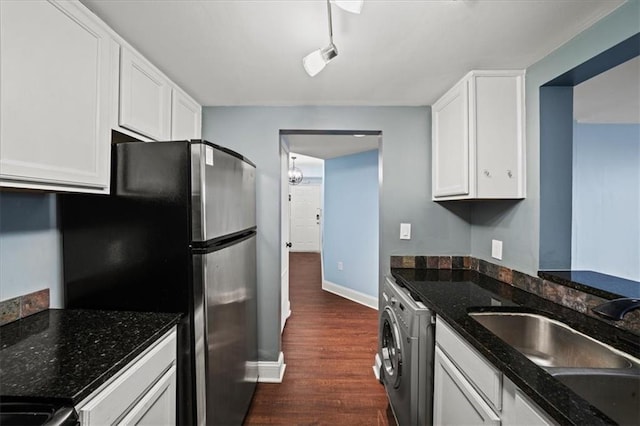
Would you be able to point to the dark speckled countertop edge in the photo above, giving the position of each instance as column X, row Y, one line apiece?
column 62, row 356
column 117, row 367
column 560, row 402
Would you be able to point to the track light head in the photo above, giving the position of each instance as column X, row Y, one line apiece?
column 315, row 61
column 352, row 6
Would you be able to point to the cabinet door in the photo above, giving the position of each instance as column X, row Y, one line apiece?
column 54, row 108
column 498, row 134
column 519, row 410
column 158, row 405
column 455, row 402
column 186, row 117
column 450, row 142
column 145, row 97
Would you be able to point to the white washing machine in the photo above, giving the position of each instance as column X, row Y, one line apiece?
column 406, row 345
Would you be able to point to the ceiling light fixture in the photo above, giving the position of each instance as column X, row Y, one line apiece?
column 352, row 6
column 315, row 61
column 295, row 174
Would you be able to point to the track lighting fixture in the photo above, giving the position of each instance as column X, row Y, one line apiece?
column 315, row 61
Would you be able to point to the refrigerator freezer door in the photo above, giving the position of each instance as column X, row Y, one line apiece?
column 223, row 193
column 231, row 330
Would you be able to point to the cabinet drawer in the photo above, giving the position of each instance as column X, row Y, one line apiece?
column 482, row 375
column 115, row 399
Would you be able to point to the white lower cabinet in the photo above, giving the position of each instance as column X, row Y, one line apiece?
column 468, row 390
column 456, row 401
column 142, row 393
column 520, row 410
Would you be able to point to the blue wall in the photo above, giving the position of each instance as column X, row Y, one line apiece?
column 405, row 194
column 350, row 233
column 556, row 153
column 606, row 199
column 518, row 224
column 30, row 246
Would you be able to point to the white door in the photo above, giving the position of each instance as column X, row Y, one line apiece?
column 285, row 306
column 305, row 218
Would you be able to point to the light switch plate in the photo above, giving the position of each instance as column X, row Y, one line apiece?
column 496, row 249
column 405, row 231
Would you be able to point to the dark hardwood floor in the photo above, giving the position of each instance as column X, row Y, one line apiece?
column 329, row 345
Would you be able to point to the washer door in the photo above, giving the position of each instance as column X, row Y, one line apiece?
column 390, row 348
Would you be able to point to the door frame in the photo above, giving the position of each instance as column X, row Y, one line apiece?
column 285, row 302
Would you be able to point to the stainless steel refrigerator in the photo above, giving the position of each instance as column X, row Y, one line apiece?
column 177, row 234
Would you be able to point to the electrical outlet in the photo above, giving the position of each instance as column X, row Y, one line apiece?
column 496, row 249
column 340, row 266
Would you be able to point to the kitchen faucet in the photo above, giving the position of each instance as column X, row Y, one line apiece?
column 617, row 308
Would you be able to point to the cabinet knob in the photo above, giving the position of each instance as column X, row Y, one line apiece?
column 509, row 173
column 486, row 173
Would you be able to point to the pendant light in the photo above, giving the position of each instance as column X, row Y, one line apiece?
column 295, row 174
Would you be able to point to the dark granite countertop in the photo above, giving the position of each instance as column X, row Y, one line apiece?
column 602, row 285
column 452, row 294
column 62, row 355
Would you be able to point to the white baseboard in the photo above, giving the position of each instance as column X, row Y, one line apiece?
column 353, row 295
column 287, row 310
column 271, row 371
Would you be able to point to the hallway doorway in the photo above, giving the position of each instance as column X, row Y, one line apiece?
column 344, row 226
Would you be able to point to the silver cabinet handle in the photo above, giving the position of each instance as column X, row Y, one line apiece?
column 509, row 173
column 486, row 173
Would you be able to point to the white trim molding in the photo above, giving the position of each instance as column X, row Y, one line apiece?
column 271, row 371
column 353, row 295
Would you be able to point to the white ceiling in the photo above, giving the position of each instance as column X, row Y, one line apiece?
column 397, row 52
column 327, row 146
column 610, row 97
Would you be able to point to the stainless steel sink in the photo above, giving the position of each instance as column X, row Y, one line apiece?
column 550, row 343
column 615, row 392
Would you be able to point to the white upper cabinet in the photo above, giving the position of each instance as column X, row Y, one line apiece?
column 478, row 138
column 67, row 80
column 54, row 97
column 451, row 151
column 145, row 97
column 186, row 117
